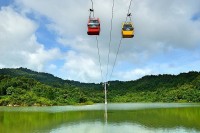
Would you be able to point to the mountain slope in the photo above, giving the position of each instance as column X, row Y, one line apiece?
column 22, row 86
column 42, row 77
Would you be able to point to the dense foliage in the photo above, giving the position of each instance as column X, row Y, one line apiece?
column 25, row 87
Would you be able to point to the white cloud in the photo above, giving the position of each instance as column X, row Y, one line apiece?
column 81, row 68
column 133, row 74
column 160, row 27
column 14, row 29
column 52, row 67
column 91, row 127
column 40, row 57
column 168, row 22
column 18, row 43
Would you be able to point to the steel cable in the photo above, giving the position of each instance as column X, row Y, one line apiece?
column 116, row 57
column 110, row 39
column 97, row 46
column 92, row 8
column 99, row 58
column 119, row 45
column 128, row 9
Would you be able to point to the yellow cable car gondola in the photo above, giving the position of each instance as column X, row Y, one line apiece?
column 127, row 30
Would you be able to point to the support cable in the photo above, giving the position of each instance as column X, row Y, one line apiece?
column 110, row 39
column 116, row 57
column 92, row 3
column 128, row 10
column 99, row 58
column 91, row 10
column 128, row 15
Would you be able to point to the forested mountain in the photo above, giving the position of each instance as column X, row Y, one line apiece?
column 25, row 87
column 42, row 77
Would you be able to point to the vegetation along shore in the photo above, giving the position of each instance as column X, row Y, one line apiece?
column 24, row 87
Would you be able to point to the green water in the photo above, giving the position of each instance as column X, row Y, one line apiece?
column 118, row 118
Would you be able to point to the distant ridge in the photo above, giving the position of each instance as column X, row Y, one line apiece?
column 45, row 78
column 22, row 86
column 147, row 82
column 42, row 77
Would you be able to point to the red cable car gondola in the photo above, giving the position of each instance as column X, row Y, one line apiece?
column 93, row 26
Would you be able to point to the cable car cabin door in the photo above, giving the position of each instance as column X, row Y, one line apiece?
column 93, row 26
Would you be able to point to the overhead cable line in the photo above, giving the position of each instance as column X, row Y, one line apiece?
column 92, row 9
column 92, row 4
column 116, row 58
column 97, row 42
column 110, row 39
column 99, row 58
column 128, row 14
column 128, row 10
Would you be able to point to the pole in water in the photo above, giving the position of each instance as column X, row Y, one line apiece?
column 105, row 90
column 106, row 114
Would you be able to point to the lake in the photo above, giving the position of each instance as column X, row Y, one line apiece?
column 98, row 118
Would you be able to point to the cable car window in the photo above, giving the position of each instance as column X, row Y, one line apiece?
column 93, row 24
column 127, row 27
column 94, row 21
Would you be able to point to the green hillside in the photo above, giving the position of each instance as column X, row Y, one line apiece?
column 42, row 77
column 25, row 87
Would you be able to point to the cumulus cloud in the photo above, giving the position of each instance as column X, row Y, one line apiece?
column 18, row 43
column 81, row 68
column 133, row 74
column 168, row 22
column 160, row 28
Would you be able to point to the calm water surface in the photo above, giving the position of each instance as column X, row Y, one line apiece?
column 98, row 118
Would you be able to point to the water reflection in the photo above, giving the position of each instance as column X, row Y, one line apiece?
column 112, row 118
column 99, row 127
column 106, row 113
column 105, row 118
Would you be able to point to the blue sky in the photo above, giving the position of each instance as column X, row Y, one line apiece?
column 5, row 2
column 196, row 17
column 50, row 36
